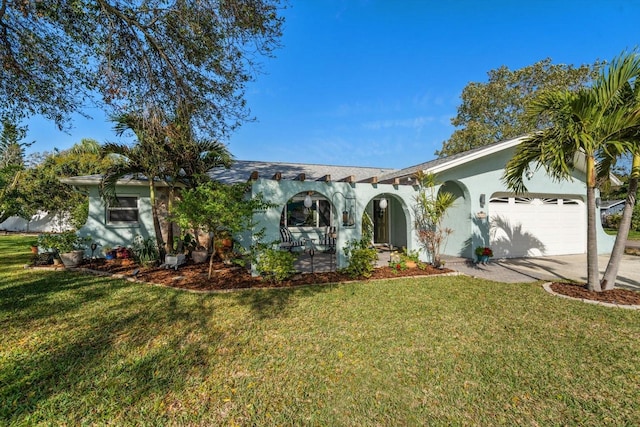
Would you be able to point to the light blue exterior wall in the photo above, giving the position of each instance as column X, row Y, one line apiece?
column 341, row 195
column 117, row 234
column 484, row 176
column 468, row 181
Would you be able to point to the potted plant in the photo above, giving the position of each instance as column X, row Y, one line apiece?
column 67, row 245
column 483, row 253
column 191, row 246
column 109, row 253
column 199, row 254
column 34, row 247
column 145, row 251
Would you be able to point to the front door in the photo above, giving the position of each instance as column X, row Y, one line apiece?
column 380, row 223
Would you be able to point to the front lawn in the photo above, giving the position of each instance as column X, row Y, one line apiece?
column 633, row 234
column 78, row 349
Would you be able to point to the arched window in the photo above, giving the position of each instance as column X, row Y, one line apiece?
column 296, row 214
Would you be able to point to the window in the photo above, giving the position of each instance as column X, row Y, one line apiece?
column 123, row 210
column 295, row 214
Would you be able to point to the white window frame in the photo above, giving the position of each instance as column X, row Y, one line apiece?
column 314, row 207
column 110, row 208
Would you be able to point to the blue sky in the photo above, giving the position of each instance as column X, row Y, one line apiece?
column 375, row 83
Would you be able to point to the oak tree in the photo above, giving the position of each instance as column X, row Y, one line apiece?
column 493, row 111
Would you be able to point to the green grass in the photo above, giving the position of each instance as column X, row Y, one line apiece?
column 633, row 234
column 78, row 349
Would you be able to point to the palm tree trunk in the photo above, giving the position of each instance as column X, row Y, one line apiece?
column 156, row 220
column 169, row 222
column 593, row 282
column 611, row 273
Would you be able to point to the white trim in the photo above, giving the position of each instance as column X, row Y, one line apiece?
column 476, row 155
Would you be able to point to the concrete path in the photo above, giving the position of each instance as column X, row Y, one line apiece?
column 567, row 267
column 515, row 270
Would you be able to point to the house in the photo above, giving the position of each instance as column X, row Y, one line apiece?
column 41, row 222
column 608, row 208
column 550, row 219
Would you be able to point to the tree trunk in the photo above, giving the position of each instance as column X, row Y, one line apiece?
column 212, row 254
column 169, row 222
column 611, row 273
column 593, row 282
column 156, row 220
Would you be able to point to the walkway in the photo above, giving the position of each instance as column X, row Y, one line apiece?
column 562, row 267
column 515, row 270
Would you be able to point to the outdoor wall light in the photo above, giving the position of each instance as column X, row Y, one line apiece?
column 383, row 204
column 482, row 200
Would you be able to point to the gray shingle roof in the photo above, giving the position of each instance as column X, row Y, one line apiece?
column 241, row 171
column 426, row 166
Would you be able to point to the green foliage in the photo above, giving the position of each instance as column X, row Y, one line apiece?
column 63, row 242
column 276, row 265
column 483, row 251
column 218, row 208
column 367, row 227
column 12, row 170
column 361, row 258
column 144, row 250
column 600, row 121
column 494, row 111
column 144, row 54
column 215, row 207
column 429, row 210
column 39, row 186
column 635, row 218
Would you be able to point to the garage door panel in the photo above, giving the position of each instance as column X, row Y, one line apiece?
column 537, row 226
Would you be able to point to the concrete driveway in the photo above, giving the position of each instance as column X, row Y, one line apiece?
column 567, row 267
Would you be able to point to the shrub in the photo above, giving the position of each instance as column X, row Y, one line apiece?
column 635, row 218
column 613, row 221
column 144, row 250
column 361, row 257
column 63, row 242
column 276, row 265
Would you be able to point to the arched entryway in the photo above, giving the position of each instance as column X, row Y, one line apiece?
column 390, row 220
column 458, row 219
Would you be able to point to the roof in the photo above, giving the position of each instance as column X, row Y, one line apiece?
column 138, row 180
column 243, row 170
column 444, row 163
column 606, row 204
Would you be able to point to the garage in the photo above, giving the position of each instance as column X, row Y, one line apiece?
column 536, row 225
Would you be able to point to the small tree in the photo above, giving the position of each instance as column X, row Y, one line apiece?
column 218, row 208
column 430, row 209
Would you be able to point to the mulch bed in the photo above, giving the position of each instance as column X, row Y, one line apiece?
column 224, row 277
column 613, row 296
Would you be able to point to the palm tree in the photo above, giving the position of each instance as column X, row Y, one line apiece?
column 611, row 273
column 166, row 150
column 583, row 124
column 145, row 158
column 188, row 160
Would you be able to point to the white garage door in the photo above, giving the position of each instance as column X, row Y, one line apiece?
column 534, row 226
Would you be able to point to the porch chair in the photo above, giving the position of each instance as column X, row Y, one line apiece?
column 287, row 241
column 329, row 238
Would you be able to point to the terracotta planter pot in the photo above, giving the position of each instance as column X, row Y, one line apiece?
column 72, row 259
column 34, row 250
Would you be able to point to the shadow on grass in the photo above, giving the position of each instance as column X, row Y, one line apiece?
column 95, row 341
column 272, row 303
